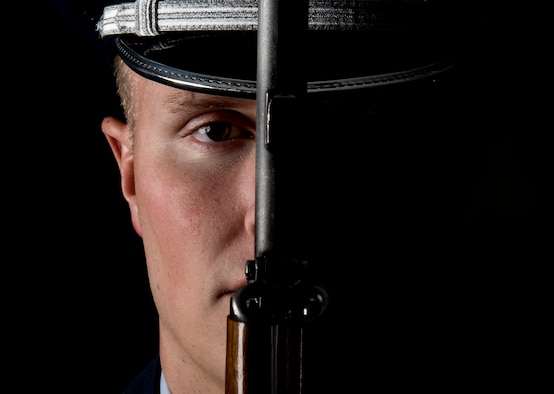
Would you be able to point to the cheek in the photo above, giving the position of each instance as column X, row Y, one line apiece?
column 170, row 214
column 173, row 225
column 186, row 203
column 181, row 212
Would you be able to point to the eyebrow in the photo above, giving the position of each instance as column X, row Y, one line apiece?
column 190, row 101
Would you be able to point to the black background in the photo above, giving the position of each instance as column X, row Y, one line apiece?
column 78, row 311
column 81, row 317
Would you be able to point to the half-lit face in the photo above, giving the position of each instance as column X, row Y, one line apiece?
column 189, row 181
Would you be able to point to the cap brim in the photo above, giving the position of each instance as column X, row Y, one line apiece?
column 225, row 62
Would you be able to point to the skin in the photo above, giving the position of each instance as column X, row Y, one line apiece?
column 191, row 199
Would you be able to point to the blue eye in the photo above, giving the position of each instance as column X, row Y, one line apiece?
column 221, row 131
column 216, row 131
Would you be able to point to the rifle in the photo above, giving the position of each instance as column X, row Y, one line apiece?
column 266, row 322
column 269, row 330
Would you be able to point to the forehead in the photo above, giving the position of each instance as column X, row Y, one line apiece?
column 177, row 100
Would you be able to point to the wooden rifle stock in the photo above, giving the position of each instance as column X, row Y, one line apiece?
column 265, row 326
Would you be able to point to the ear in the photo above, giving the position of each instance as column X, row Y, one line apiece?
column 118, row 135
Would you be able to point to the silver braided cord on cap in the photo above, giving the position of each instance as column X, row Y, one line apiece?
column 153, row 17
column 146, row 13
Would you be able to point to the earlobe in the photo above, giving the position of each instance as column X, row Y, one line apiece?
column 119, row 138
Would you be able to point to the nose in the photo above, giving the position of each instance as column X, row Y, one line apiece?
column 250, row 218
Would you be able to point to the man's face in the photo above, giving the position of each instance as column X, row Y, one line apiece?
column 190, row 183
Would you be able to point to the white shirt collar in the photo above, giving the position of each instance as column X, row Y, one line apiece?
column 164, row 389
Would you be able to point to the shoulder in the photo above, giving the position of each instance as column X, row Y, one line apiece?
column 148, row 381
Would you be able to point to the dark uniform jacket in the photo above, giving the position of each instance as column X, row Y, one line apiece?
column 148, row 381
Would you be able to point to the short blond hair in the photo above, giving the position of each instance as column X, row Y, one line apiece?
column 125, row 82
